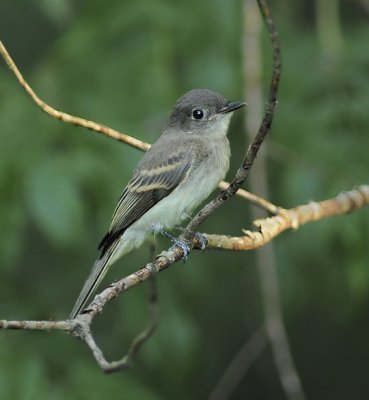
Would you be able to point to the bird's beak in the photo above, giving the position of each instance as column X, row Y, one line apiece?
column 231, row 106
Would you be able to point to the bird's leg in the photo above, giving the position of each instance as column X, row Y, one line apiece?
column 199, row 237
column 156, row 228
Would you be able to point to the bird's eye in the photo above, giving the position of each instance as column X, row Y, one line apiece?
column 198, row 114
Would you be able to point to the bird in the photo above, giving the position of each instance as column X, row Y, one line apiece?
column 174, row 176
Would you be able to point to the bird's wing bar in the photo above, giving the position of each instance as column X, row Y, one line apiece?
column 146, row 188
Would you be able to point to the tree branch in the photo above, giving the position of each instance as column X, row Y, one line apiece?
column 240, row 364
column 269, row 228
column 105, row 130
column 67, row 326
column 70, row 119
column 265, row 258
column 254, row 147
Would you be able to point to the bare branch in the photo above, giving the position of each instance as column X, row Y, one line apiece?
column 265, row 256
column 256, row 200
column 254, row 147
column 97, row 127
column 67, row 326
column 269, row 228
column 70, row 119
column 126, row 361
column 240, row 364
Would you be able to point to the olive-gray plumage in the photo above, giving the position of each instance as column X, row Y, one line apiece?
column 173, row 177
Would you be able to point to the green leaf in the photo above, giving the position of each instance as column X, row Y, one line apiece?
column 54, row 201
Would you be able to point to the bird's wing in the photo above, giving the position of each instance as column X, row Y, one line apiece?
column 151, row 182
column 156, row 177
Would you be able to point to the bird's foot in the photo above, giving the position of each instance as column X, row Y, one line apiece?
column 156, row 228
column 183, row 246
column 202, row 241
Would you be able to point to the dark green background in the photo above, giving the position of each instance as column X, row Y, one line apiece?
column 124, row 64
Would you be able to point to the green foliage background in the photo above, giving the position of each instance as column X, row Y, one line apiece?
column 124, row 64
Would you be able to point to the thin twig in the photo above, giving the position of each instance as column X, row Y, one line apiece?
column 138, row 341
column 239, row 365
column 67, row 326
column 105, row 130
column 256, row 200
column 80, row 327
column 269, row 228
column 70, row 119
column 265, row 256
column 254, row 147
column 153, row 313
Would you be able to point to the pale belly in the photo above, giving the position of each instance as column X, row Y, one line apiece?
column 172, row 210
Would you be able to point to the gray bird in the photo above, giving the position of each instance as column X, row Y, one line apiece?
column 174, row 176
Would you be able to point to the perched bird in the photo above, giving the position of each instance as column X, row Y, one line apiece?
column 174, row 176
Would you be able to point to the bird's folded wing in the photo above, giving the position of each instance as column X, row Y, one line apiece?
column 151, row 182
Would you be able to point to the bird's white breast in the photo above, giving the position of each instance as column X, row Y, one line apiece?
column 174, row 208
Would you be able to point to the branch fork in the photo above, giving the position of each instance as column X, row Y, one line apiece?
column 267, row 228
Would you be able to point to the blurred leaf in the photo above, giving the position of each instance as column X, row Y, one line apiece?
column 12, row 221
column 124, row 64
column 54, row 201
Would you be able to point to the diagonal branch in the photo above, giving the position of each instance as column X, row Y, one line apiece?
column 265, row 258
column 268, row 229
column 264, row 129
column 70, row 119
column 242, row 362
column 107, row 131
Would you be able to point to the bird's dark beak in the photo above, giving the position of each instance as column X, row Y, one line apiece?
column 231, row 106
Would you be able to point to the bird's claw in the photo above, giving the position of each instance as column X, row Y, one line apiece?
column 156, row 228
column 202, row 241
column 183, row 246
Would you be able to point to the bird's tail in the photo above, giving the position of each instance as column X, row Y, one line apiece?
column 99, row 269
